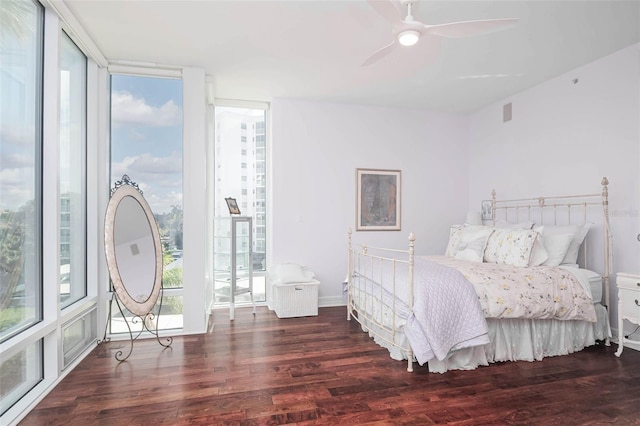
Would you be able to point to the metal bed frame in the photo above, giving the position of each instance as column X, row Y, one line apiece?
column 365, row 259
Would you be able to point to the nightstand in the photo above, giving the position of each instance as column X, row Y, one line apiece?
column 628, row 305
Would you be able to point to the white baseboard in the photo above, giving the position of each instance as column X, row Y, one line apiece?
column 634, row 346
column 327, row 301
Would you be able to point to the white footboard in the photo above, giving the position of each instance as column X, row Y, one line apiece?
column 380, row 293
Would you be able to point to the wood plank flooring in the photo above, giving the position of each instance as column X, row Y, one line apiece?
column 323, row 370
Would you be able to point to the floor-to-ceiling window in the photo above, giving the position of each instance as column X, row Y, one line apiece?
column 72, row 160
column 47, row 310
column 78, row 328
column 21, row 47
column 146, row 145
column 240, row 172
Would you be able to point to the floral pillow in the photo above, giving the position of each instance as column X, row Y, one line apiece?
column 472, row 242
column 454, row 236
column 457, row 231
column 510, row 247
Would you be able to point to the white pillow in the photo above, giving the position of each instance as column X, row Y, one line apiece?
column 510, row 247
column 538, row 253
column 556, row 240
column 572, row 253
column 287, row 273
column 472, row 242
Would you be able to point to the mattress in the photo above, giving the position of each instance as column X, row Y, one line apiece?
column 587, row 277
column 595, row 283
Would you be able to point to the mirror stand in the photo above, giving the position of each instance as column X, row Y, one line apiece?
column 134, row 258
column 147, row 320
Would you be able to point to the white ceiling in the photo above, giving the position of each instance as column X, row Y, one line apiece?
column 260, row 50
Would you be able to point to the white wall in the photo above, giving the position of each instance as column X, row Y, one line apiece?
column 316, row 148
column 564, row 137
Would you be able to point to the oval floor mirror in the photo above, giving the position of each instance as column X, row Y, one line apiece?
column 134, row 258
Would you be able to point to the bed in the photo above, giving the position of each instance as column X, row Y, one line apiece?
column 521, row 286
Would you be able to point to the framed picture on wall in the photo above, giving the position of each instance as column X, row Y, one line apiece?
column 233, row 205
column 377, row 200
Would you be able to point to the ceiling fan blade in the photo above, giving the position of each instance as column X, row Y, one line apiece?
column 470, row 28
column 388, row 9
column 379, row 54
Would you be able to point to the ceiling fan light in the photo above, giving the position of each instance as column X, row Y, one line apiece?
column 408, row 37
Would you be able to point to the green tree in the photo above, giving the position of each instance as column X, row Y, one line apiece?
column 174, row 223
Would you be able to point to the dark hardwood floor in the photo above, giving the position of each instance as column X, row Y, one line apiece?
column 323, row 370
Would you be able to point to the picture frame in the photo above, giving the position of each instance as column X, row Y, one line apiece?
column 233, row 205
column 378, row 193
column 486, row 207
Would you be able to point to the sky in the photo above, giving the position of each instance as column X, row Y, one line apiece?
column 19, row 106
column 146, row 142
column 146, row 137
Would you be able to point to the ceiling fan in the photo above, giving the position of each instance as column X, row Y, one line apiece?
column 407, row 31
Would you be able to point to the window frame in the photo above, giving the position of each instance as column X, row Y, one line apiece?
column 54, row 18
column 167, row 292
column 83, row 177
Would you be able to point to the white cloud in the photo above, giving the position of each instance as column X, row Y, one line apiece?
column 159, row 178
column 136, row 135
column 131, row 110
column 18, row 134
column 16, row 161
column 15, row 188
column 148, row 164
column 161, row 203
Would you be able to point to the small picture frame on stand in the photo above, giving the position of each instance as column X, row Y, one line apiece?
column 233, row 205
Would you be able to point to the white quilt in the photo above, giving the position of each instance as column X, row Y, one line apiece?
column 447, row 315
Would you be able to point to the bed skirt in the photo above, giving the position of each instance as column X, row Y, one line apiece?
column 510, row 340
column 527, row 340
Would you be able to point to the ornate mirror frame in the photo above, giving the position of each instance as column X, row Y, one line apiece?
column 126, row 189
column 141, row 309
